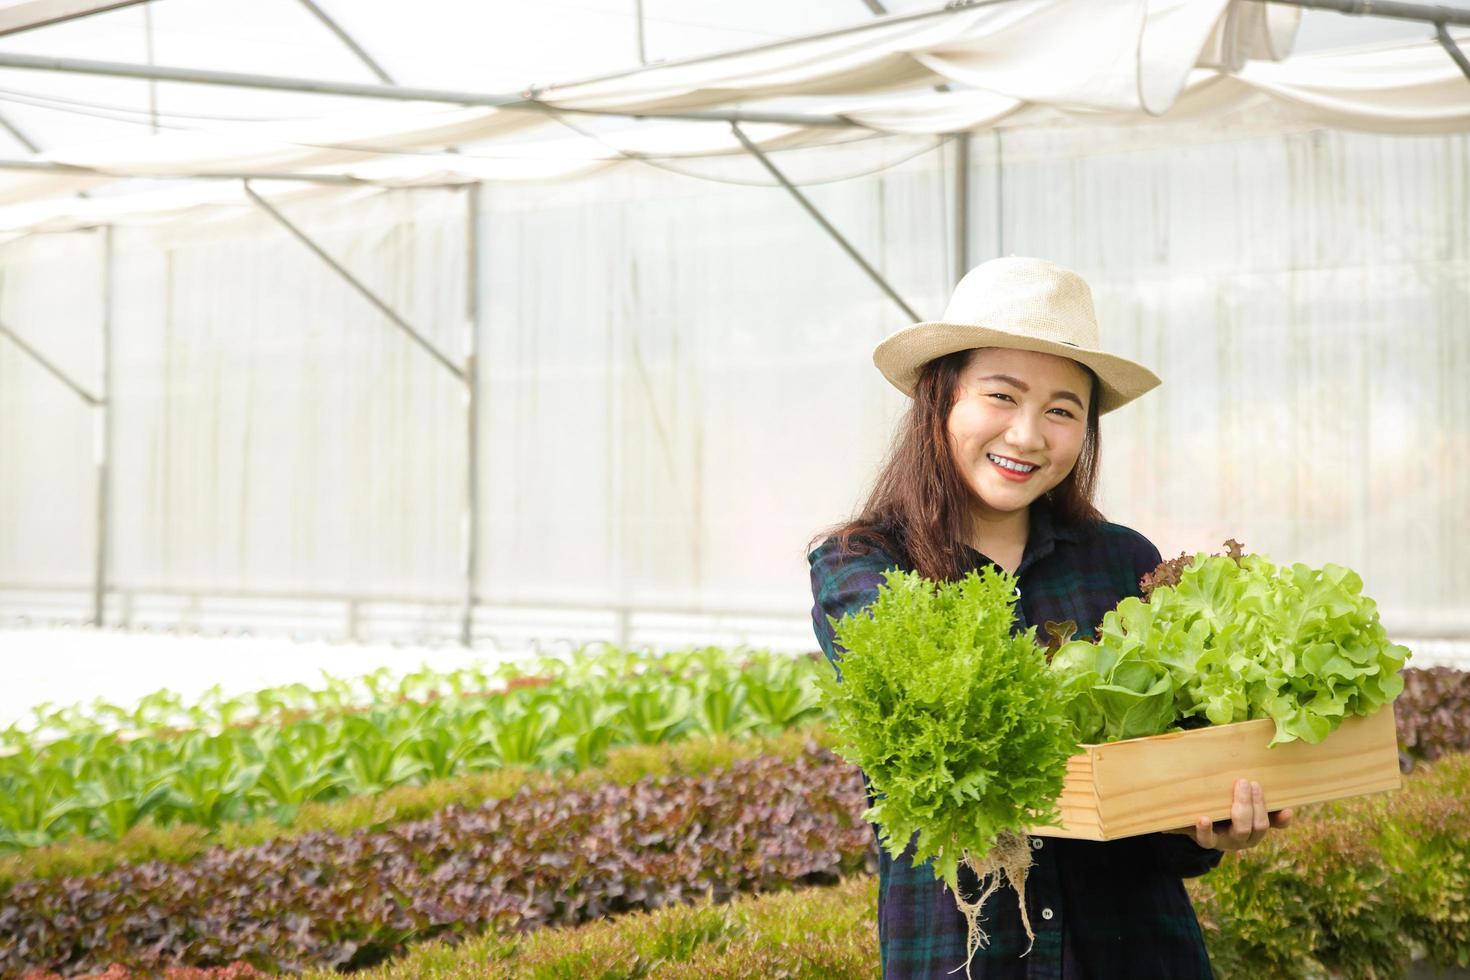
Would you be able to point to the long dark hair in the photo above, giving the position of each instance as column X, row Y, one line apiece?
column 920, row 504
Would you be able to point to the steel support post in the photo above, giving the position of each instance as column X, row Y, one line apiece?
column 638, row 18
column 811, row 209
column 104, row 442
column 355, row 283
column 472, row 415
column 961, row 205
column 1000, row 200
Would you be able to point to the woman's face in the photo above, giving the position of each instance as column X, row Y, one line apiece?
column 1017, row 410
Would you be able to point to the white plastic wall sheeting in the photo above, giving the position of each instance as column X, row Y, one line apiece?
column 1306, row 299
column 677, row 390
column 272, row 431
column 676, row 373
column 50, row 297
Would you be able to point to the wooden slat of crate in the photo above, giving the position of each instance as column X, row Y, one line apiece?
column 1142, row 785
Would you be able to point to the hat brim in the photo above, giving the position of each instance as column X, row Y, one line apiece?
column 903, row 354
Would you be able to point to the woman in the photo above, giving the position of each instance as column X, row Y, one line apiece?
column 995, row 463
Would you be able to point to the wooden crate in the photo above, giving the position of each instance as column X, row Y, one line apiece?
column 1163, row 782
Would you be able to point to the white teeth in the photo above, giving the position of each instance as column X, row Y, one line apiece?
column 1008, row 465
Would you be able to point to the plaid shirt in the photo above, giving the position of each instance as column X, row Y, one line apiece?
column 1098, row 910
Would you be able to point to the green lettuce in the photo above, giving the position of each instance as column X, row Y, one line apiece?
column 960, row 727
column 1234, row 639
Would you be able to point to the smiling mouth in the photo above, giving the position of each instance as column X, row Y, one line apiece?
column 1011, row 465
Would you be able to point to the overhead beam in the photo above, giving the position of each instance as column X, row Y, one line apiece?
column 50, row 368
column 868, row 25
column 356, row 284
column 1425, row 13
column 18, row 17
column 46, row 166
column 366, row 90
column 827, row 226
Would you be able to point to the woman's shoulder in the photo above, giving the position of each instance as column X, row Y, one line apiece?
column 851, row 550
column 1120, row 543
column 867, row 547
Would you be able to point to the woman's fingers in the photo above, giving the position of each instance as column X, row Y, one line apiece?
column 1204, row 833
column 1261, row 818
column 1248, row 823
column 1242, row 811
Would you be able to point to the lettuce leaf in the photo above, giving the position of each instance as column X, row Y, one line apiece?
column 960, row 727
column 1234, row 638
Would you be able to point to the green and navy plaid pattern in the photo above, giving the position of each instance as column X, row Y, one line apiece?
column 1099, row 910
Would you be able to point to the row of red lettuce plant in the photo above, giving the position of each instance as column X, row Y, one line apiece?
column 545, row 856
column 1357, row 888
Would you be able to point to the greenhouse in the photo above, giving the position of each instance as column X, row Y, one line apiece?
column 416, row 427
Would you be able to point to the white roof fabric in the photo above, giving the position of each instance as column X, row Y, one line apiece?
column 1007, row 63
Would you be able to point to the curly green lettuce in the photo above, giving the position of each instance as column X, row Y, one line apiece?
column 960, row 727
column 1232, row 640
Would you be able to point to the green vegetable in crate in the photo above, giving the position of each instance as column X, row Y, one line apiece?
column 959, row 726
column 1222, row 639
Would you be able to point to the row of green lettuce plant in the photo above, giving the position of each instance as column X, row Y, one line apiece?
column 796, row 935
column 165, row 711
column 545, row 856
column 100, row 783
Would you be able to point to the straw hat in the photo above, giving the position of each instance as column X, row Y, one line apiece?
column 1020, row 303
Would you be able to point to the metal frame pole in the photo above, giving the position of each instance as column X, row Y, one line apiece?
column 1000, row 200
column 1437, row 15
column 355, row 283
column 397, row 93
column 1448, row 43
column 811, row 209
column 20, row 17
column 1391, row 9
column 50, row 368
column 20, row 137
column 104, row 443
column 347, row 40
column 638, row 17
column 342, row 180
column 961, row 205
column 148, row 56
column 472, row 413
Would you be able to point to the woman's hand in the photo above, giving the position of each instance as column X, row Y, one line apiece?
column 1248, row 823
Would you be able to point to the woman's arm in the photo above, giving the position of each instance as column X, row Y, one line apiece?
column 1174, row 854
column 843, row 583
